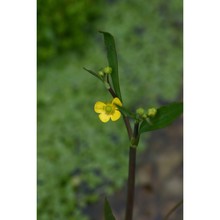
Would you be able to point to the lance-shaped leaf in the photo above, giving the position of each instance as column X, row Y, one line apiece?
column 108, row 211
column 112, row 61
column 164, row 117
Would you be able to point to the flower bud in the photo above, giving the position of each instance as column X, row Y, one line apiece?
column 151, row 112
column 140, row 111
column 107, row 70
column 101, row 73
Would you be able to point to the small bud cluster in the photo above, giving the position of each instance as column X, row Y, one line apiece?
column 104, row 74
column 105, row 71
column 141, row 114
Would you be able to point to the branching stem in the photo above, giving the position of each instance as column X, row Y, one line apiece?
column 134, row 139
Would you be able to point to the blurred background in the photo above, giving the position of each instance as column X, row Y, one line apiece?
column 80, row 159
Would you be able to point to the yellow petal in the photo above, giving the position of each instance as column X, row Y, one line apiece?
column 116, row 101
column 116, row 115
column 104, row 118
column 99, row 107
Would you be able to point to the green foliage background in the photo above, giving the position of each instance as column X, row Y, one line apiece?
column 80, row 158
column 62, row 26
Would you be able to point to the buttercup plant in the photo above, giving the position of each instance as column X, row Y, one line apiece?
column 142, row 120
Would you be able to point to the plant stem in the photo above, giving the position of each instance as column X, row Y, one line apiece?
column 134, row 138
column 128, row 126
column 131, row 183
column 131, row 173
column 136, row 133
column 112, row 92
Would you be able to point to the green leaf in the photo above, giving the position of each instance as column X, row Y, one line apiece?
column 164, row 117
column 112, row 61
column 93, row 73
column 108, row 211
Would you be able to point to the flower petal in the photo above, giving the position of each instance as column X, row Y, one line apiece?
column 116, row 101
column 99, row 107
column 104, row 118
column 116, row 115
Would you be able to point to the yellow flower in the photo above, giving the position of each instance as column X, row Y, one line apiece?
column 108, row 110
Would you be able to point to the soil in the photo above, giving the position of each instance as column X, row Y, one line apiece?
column 159, row 179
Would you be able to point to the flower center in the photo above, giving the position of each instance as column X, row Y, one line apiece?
column 109, row 109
